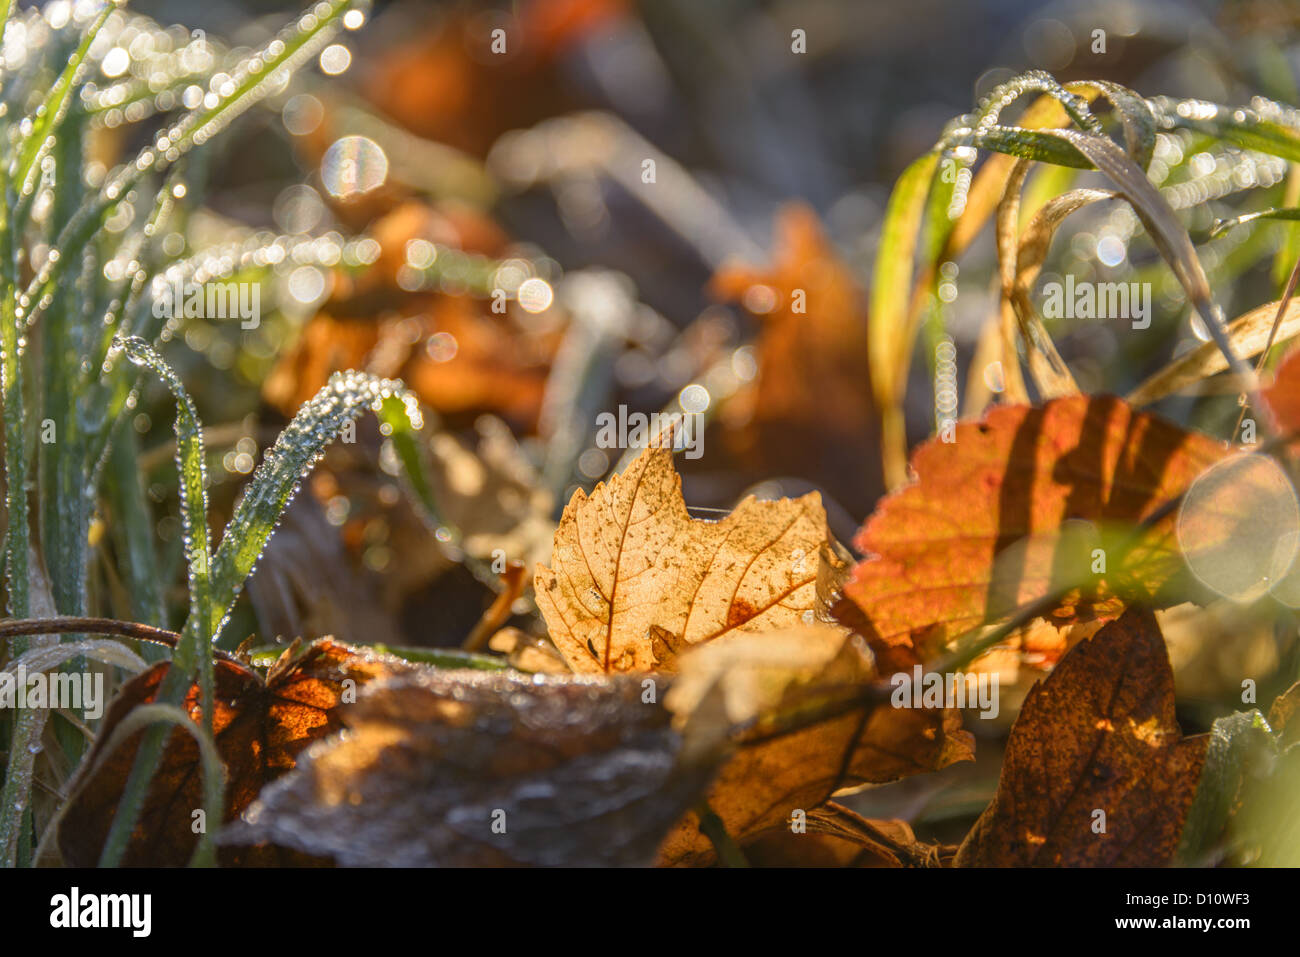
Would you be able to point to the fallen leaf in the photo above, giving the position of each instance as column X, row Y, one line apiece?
column 1015, row 506
column 472, row 769
column 1098, row 736
column 837, row 837
column 260, row 726
column 634, row 580
column 1282, row 716
column 446, row 83
column 811, row 355
column 528, row 652
column 452, row 350
column 749, row 680
column 1283, row 396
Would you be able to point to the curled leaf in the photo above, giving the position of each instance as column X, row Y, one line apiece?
column 754, row 681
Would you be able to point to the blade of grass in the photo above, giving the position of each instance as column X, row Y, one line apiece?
column 1249, row 335
column 1267, row 127
column 276, row 481
column 193, row 654
column 892, row 280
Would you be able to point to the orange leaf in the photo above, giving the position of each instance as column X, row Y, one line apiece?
column 260, row 728
column 1283, row 396
column 940, row 551
column 812, row 359
column 458, row 356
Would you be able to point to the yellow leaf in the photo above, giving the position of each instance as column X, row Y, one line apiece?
column 635, row 579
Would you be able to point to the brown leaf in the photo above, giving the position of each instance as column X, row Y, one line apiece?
column 748, row 679
column 811, row 353
column 490, row 364
column 260, row 728
column 629, row 558
column 941, row 550
column 436, row 83
column 837, row 837
column 1282, row 716
column 570, row 771
column 1098, row 735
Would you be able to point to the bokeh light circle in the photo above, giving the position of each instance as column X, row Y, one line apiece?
column 1239, row 526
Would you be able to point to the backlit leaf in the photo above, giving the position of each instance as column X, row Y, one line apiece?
column 1096, row 772
column 941, row 550
column 629, row 558
column 260, row 727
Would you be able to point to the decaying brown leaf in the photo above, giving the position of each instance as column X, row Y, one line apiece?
column 1096, row 772
column 747, row 680
column 634, row 580
column 466, row 768
column 636, row 584
column 837, row 837
column 260, row 728
column 1282, row 716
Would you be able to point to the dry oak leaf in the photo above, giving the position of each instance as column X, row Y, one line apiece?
column 635, row 580
column 1098, row 734
column 463, row 768
column 748, row 680
column 260, row 728
column 1000, row 516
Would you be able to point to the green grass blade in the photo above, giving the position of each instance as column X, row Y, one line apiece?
column 1267, row 127
column 1285, row 213
column 256, row 77
column 40, row 137
column 193, row 495
column 890, row 294
column 193, row 654
column 18, row 536
column 276, row 481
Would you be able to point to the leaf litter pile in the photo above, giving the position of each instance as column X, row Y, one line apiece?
column 600, row 584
